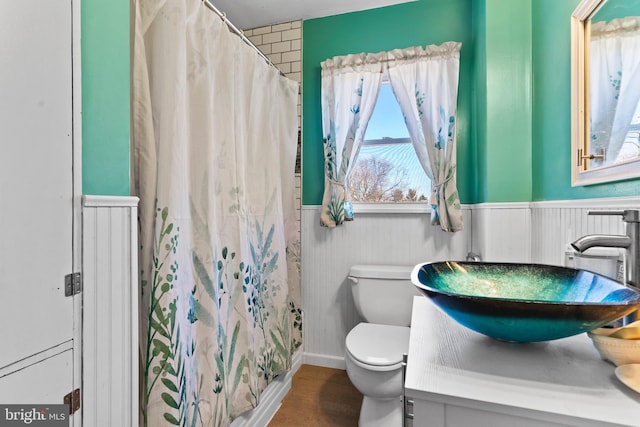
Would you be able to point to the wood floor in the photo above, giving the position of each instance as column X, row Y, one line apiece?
column 319, row 397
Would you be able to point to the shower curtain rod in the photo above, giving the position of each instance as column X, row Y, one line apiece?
column 240, row 34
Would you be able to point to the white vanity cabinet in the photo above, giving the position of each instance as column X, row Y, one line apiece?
column 459, row 378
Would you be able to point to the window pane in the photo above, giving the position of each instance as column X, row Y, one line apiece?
column 387, row 120
column 388, row 173
column 387, row 168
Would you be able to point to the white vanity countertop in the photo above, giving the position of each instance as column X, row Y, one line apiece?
column 560, row 380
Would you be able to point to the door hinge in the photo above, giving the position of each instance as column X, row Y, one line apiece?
column 72, row 284
column 73, row 400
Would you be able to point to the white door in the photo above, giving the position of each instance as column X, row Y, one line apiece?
column 36, row 198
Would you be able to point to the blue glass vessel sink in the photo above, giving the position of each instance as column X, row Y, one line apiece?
column 524, row 302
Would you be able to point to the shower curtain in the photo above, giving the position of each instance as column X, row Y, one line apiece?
column 214, row 144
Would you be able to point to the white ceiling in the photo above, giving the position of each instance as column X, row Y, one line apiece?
column 247, row 14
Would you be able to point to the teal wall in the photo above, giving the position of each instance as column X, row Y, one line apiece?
column 422, row 23
column 105, row 97
column 551, row 53
column 617, row 9
column 479, row 90
column 504, row 104
column 516, row 51
column 514, row 113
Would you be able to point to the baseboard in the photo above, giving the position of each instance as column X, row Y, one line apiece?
column 324, row 361
column 271, row 398
column 296, row 361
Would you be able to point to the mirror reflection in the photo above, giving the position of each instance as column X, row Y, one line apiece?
column 613, row 84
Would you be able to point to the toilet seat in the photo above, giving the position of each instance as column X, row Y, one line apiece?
column 377, row 347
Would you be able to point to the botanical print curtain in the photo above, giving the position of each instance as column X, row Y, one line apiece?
column 214, row 142
column 614, row 93
column 425, row 83
column 350, row 86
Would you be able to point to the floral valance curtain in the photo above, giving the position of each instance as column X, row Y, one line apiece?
column 614, row 92
column 425, row 83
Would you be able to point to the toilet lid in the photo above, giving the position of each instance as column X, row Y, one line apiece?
column 378, row 345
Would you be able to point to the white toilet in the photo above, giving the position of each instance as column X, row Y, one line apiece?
column 383, row 295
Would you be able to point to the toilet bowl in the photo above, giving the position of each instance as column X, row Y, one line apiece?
column 383, row 296
column 374, row 366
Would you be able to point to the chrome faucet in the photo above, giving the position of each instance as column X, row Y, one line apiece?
column 630, row 242
column 473, row 257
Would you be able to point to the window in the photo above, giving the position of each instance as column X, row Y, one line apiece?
column 386, row 168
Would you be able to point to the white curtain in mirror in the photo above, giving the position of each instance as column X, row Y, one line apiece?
column 614, row 91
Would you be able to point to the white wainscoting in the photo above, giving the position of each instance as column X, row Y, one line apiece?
column 373, row 238
column 110, row 311
column 554, row 225
column 500, row 232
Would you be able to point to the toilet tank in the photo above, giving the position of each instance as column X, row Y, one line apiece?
column 383, row 294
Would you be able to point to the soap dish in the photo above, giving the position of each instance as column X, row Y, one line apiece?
column 630, row 376
column 619, row 351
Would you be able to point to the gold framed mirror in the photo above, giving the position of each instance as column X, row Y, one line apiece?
column 605, row 110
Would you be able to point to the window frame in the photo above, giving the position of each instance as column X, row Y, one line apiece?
column 581, row 172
